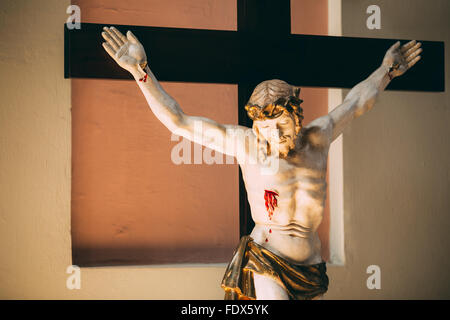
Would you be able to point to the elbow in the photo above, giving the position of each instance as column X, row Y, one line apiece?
column 175, row 125
column 178, row 124
column 359, row 112
column 363, row 98
column 364, row 107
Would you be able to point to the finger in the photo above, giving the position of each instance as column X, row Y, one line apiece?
column 413, row 62
column 132, row 37
column 413, row 55
column 408, row 45
column 110, row 40
column 119, row 34
column 109, row 49
column 417, row 46
column 114, row 36
column 395, row 45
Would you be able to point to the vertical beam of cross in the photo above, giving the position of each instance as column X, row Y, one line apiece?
column 263, row 19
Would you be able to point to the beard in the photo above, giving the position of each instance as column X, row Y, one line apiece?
column 282, row 148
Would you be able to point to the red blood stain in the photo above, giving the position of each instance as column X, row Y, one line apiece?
column 270, row 198
column 144, row 78
column 270, row 230
column 266, row 240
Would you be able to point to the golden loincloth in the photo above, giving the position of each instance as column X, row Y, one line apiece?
column 302, row 282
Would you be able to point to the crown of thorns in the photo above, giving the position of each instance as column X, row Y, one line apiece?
column 276, row 109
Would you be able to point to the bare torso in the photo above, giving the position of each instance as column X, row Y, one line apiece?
column 300, row 183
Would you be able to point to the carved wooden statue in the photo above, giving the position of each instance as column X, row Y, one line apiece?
column 283, row 164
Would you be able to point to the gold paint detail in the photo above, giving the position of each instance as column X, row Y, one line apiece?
column 143, row 65
column 302, row 282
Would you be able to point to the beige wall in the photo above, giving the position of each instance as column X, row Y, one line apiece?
column 396, row 174
column 397, row 171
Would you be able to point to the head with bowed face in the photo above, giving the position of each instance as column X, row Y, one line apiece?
column 274, row 107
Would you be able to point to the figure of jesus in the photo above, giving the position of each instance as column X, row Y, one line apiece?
column 281, row 258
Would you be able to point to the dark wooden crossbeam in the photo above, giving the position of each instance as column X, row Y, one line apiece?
column 231, row 57
column 263, row 48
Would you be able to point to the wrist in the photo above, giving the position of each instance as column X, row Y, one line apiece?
column 137, row 73
column 387, row 70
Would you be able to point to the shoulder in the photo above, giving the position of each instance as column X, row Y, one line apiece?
column 319, row 132
column 238, row 132
column 242, row 138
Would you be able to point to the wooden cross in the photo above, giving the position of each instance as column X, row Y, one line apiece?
column 263, row 48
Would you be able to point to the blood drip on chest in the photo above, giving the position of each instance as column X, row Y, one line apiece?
column 270, row 198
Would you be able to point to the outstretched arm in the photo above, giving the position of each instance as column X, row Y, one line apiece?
column 362, row 97
column 129, row 53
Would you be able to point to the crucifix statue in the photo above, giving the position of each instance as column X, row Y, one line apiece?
column 283, row 164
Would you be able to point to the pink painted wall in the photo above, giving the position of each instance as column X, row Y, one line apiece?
column 198, row 14
column 130, row 203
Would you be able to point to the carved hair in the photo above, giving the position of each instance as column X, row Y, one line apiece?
column 273, row 97
column 269, row 91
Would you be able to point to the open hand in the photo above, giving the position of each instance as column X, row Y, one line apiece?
column 400, row 59
column 127, row 51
